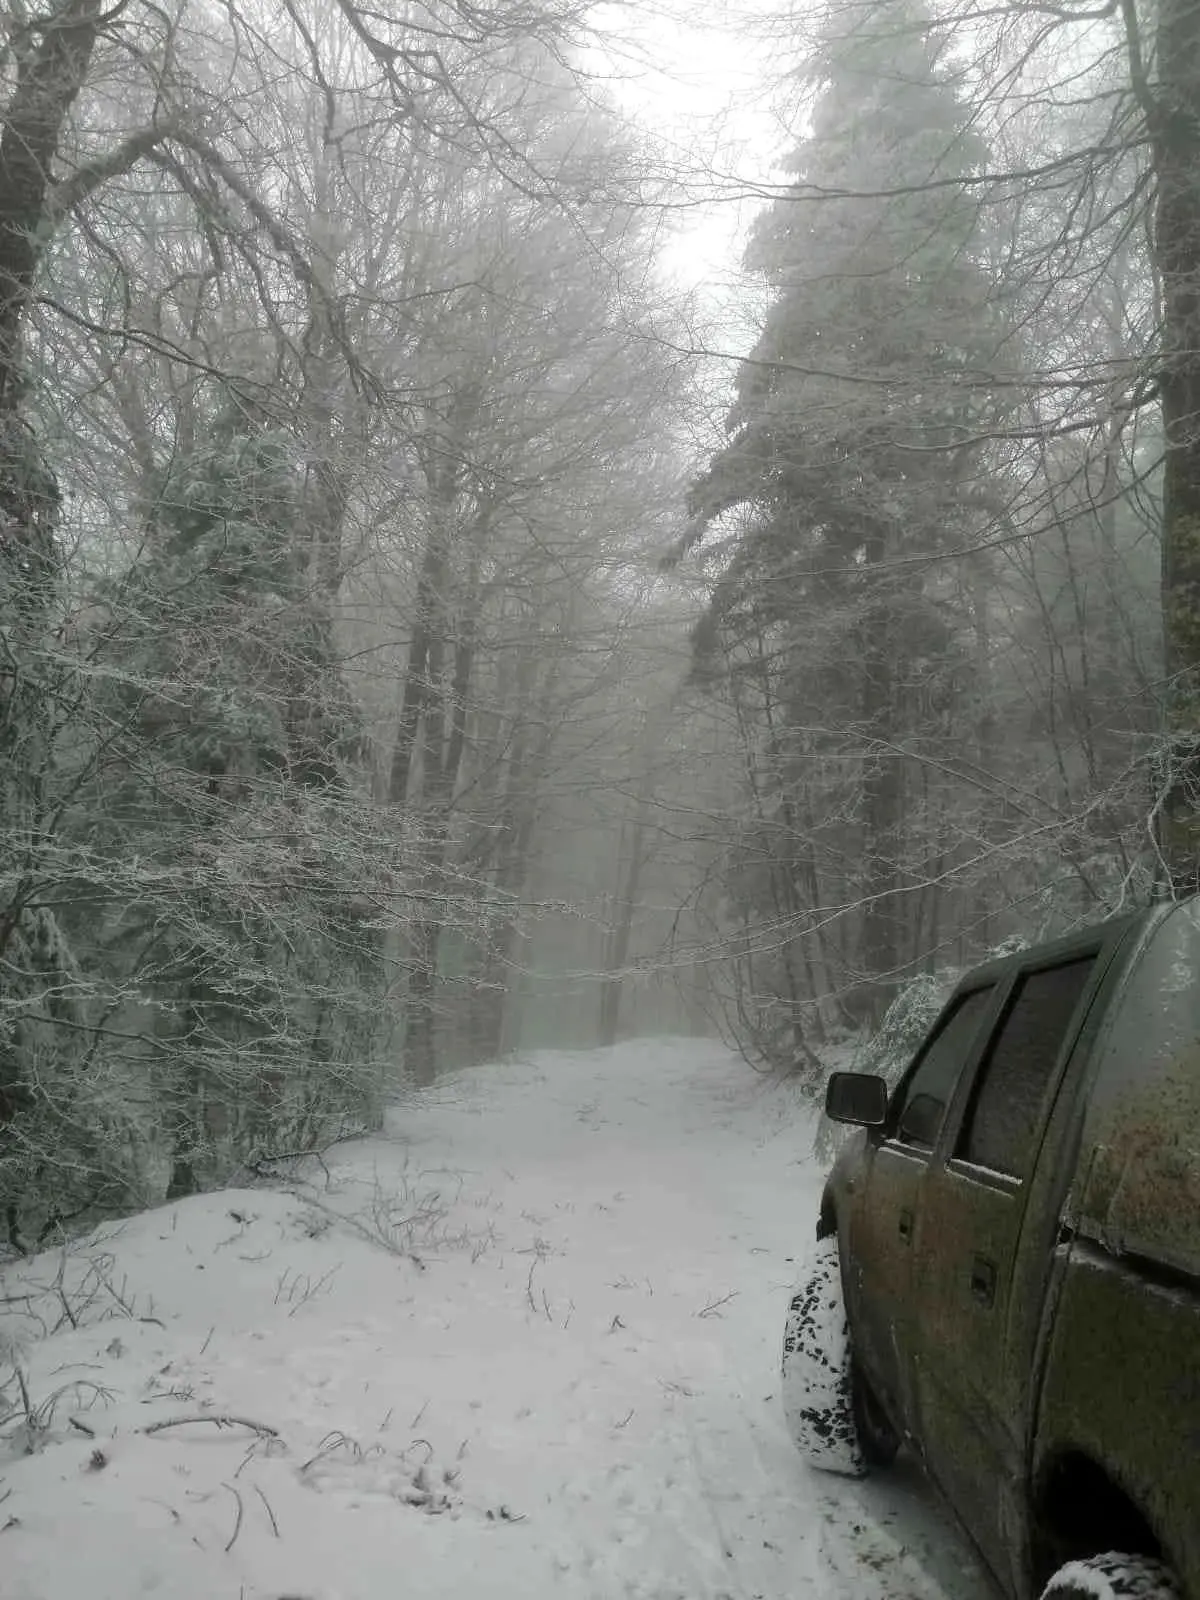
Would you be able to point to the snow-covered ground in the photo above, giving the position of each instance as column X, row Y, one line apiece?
column 525, row 1345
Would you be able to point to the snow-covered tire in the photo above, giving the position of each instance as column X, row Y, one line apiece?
column 818, row 1370
column 1114, row 1577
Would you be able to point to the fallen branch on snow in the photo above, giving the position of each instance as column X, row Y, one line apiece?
column 217, row 1422
column 712, row 1308
column 267, row 1504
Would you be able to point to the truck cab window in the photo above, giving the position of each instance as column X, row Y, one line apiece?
column 923, row 1098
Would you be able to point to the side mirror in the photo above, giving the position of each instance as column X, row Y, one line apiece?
column 858, row 1098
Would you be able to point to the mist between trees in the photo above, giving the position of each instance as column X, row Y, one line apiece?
column 404, row 659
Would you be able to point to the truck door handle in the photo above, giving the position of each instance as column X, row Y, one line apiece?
column 983, row 1280
column 906, row 1224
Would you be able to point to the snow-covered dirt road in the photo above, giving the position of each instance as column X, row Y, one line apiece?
column 526, row 1345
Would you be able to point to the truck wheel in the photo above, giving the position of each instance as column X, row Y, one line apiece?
column 1114, row 1577
column 834, row 1419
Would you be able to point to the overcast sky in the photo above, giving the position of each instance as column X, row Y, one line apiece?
column 703, row 84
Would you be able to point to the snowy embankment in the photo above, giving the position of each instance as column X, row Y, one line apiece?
column 526, row 1344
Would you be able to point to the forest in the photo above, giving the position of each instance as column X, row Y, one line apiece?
column 432, row 629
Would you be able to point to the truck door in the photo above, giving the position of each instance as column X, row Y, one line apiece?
column 884, row 1210
column 969, row 1391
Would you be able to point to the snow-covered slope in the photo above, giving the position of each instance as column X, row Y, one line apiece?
column 525, row 1345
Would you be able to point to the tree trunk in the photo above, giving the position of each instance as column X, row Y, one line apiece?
column 621, row 931
column 630, row 864
column 433, row 723
column 986, row 752
column 1176, row 147
column 493, row 1014
column 420, row 1039
column 879, row 939
column 421, row 727
column 48, row 83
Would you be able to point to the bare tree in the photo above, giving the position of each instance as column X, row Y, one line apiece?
column 299, row 359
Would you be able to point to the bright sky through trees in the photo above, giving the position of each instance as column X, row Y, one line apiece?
column 703, row 81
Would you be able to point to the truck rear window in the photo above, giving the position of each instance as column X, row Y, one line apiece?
column 1002, row 1121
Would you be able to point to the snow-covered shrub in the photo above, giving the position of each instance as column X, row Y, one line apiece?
column 889, row 1049
column 192, row 964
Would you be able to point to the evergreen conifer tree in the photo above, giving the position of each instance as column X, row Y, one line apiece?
column 853, row 463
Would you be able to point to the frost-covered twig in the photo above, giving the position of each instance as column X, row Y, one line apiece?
column 267, row 1507
column 221, row 1421
column 340, row 1441
column 37, row 1419
column 237, row 1526
column 371, row 1235
column 712, row 1309
column 529, row 1286
column 302, row 1288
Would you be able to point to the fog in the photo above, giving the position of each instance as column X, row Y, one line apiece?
column 516, row 537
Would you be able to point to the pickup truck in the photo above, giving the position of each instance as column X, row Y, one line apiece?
column 1007, row 1273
